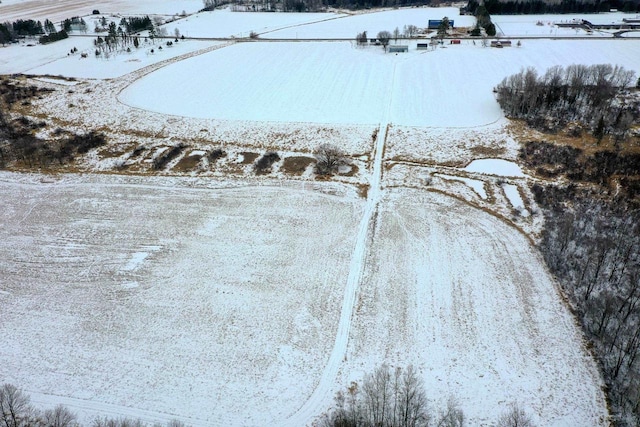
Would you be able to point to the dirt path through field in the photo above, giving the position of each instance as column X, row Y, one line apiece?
column 316, row 404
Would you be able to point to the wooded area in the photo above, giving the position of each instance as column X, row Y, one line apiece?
column 594, row 97
column 591, row 243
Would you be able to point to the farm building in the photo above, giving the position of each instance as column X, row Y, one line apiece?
column 398, row 48
column 434, row 24
column 500, row 43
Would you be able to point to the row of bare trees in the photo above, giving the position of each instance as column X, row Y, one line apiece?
column 594, row 95
column 16, row 411
column 593, row 246
column 397, row 398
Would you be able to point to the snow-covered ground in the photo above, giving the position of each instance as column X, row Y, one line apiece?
column 466, row 299
column 98, row 67
column 200, row 297
column 335, row 82
column 59, row 10
column 529, row 25
column 226, row 23
column 168, row 297
column 372, row 23
column 196, row 303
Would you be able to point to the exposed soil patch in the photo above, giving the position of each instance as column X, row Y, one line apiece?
column 248, row 157
column 188, row 163
column 297, row 165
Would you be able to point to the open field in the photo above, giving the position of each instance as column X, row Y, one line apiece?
column 200, row 303
column 463, row 296
column 59, row 10
column 338, row 83
column 223, row 297
column 193, row 303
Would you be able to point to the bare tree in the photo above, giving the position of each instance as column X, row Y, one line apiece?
column 410, row 30
column 14, row 407
column 361, row 38
column 328, row 159
column 387, row 398
column 377, row 391
column 396, row 34
column 515, row 417
column 384, row 37
column 412, row 401
column 452, row 416
column 60, row 416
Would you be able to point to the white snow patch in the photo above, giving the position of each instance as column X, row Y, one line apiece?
column 497, row 167
column 62, row 82
column 513, row 195
column 475, row 184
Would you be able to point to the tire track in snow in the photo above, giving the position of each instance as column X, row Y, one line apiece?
column 316, row 404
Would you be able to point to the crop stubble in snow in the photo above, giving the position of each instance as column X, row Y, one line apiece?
column 199, row 303
column 203, row 303
column 466, row 300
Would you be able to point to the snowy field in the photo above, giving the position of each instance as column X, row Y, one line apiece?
column 59, row 10
column 526, row 25
column 372, row 23
column 225, row 23
column 464, row 297
column 335, row 82
column 164, row 298
column 199, row 297
column 42, row 60
column 193, row 303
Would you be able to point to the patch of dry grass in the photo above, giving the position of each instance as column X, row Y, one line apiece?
column 188, row 163
column 297, row 165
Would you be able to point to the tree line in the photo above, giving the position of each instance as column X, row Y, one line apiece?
column 397, row 398
column 511, row 7
column 16, row 411
column 310, row 5
column 11, row 31
column 592, row 245
column 595, row 96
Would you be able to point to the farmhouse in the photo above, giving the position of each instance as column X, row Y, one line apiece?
column 400, row 48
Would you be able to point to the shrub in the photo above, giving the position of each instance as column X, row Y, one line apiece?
column 216, row 154
column 264, row 163
column 329, row 159
column 84, row 143
column 161, row 161
column 515, row 417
